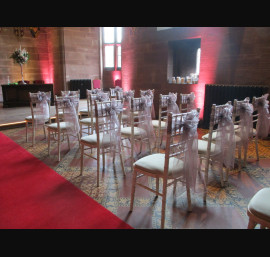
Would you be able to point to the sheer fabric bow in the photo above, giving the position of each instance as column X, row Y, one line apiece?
column 70, row 114
column 111, row 136
column 189, row 156
column 225, row 138
column 42, row 108
column 263, row 123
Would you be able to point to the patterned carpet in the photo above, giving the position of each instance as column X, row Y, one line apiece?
column 225, row 208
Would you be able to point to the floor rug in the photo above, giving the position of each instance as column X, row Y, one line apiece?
column 33, row 196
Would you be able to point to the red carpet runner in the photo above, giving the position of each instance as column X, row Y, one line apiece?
column 33, row 196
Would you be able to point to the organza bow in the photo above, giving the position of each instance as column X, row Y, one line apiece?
column 246, row 129
column 101, row 96
column 263, row 123
column 171, row 103
column 224, row 149
column 189, row 146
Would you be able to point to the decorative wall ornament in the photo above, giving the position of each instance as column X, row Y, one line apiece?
column 19, row 32
column 34, row 31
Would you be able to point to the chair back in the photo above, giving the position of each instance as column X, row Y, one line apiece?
column 185, row 102
column 96, row 84
column 63, row 110
column 216, row 111
column 103, row 115
column 35, row 99
column 70, row 93
column 176, row 137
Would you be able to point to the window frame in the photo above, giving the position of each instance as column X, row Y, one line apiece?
column 115, row 53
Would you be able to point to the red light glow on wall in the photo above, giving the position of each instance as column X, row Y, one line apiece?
column 116, row 75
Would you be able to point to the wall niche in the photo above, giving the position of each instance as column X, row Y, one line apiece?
column 184, row 61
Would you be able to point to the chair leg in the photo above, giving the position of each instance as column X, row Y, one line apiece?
column 164, row 195
column 26, row 131
column 251, row 224
column 133, row 190
column 103, row 159
column 59, row 146
column 98, row 164
column 239, row 157
column 188, row 197
column 206, row 171
column 122, row 163
column 221, row 174
column 227, row 174
column 245, row 155
column 256, row 146
column 157, row 186
column 82, row 157
column 49, row 142
column 33, row 133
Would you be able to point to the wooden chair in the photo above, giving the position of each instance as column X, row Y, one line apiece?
column 31, row 119
column 258, row 209
column 89, row 122
column 62, row 127
column 96, row 140
column 237, row 121
column 125, row 115
column 133, row 132
column 184, row 102
column 70, row 93
column 160, row 125
column 206, row 146
column 160, row 166
column 142, row 93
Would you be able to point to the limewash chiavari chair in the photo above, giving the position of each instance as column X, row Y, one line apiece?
column 207, row 148
column 34, row 100
column 103, row 125
column 91, row 120
column 161, row 124
column 121, row 95
column 186, row 102
column 237, row 124
column 85, row 111
column 63, row 125
column 171, row 166
column 134, row 132
column 145, row 92
column 71, row 93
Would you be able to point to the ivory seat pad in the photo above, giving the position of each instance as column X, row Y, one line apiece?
column 155, row 164
column 127, row 131
column 63, row 126
column 214, row 136
column 259, row 204
column 155, row 124
column 29, row 118
column 84, row 111
column 92, row 140
column 125, row 117
column 202, row 147
column 87, row 121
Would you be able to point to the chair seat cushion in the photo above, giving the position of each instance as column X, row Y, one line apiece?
column 84, row 111
column 259, row 204
column 92, row 140
column 214, row 136
column 63, row 126
column 87, row 121
column 202, row 147
column 155, row 124
column 155, row 164
column 127, row 131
